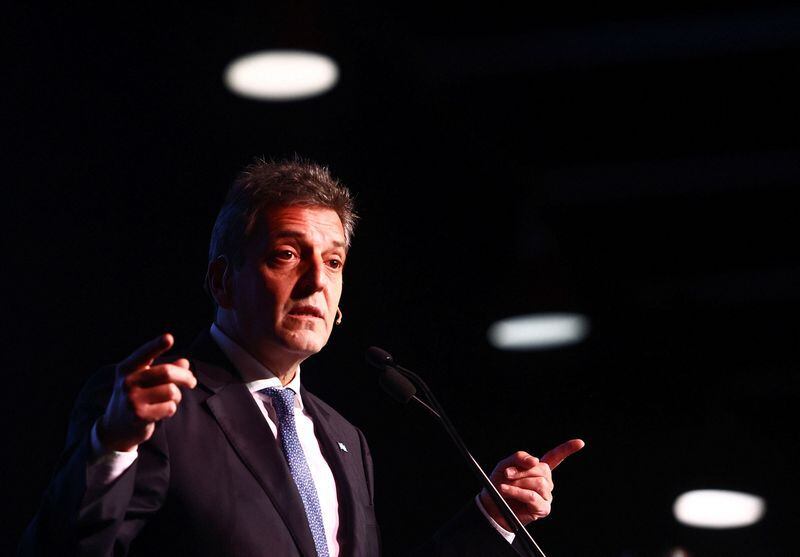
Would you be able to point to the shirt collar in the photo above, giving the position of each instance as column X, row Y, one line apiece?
column 256, row 377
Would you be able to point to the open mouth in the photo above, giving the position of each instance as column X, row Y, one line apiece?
column 306, row 311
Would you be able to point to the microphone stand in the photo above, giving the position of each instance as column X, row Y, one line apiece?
column 436, row 410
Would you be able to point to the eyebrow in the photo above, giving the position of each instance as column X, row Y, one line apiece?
column 300, row 235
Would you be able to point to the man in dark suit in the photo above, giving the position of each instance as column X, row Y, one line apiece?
column 252, row 464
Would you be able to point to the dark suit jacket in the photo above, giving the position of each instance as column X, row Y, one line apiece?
column 213, row 481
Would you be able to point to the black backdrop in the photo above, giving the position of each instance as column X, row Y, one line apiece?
column 637, row 165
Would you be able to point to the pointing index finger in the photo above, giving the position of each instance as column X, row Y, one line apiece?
column 145, row 354
column 556, row 456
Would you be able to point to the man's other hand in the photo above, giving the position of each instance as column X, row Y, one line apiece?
column 143, row 395
column 526, row 483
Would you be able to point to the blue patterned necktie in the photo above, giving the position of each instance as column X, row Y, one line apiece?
column 283, row 402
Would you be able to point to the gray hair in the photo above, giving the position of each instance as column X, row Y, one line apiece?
column 264, row 184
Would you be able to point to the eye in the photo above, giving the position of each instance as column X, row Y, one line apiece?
column 283, row 255
column 336, row 263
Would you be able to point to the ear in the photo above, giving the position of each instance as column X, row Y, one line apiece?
column 218, row 280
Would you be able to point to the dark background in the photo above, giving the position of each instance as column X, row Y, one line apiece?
column 637, row 165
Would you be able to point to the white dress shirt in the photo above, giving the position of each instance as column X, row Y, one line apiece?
column 257, row 377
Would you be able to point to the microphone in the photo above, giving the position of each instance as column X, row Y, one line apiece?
column 379, row 358
column 397, row 386
column 392, row 381
column 402, row 384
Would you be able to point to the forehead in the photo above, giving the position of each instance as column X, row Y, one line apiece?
column 317, row 225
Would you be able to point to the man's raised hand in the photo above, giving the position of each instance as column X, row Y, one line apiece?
column 143, row 394
column 526, row 483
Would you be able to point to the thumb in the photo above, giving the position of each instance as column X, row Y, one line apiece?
column 182, row 362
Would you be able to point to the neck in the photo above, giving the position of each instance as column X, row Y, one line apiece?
column 283, row 371
column 281, row 364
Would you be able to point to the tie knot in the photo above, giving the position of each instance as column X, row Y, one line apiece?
column 282, row 400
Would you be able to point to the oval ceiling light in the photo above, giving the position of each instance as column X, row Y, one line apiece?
column 281, row 75
column 716, row 508
column 539, row 331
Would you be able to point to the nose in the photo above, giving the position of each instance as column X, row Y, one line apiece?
column 313, row 277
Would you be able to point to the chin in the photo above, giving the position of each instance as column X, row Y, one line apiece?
column 304, row 343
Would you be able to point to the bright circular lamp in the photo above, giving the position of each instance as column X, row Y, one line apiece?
column 281, row 75
column 717, row 508
column 538, row 331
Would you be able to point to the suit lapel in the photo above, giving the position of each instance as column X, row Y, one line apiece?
column 241, row 421
column 342, row 467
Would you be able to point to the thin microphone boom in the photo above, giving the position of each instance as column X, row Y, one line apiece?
column 401, row 384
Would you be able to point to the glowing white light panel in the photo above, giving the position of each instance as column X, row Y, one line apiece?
column 716, row 508
column 536, row 332
column 281, row 75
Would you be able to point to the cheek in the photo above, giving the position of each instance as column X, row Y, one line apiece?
column 269, row 293
column 257, row 304
column 335, row 294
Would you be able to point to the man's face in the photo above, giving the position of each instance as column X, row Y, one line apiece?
column 286, row 293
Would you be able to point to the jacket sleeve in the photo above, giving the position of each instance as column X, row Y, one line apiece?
column 70, row 521
column 468, row 533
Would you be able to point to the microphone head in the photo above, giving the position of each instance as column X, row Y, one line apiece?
column 396, row 385
column 379, row 358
